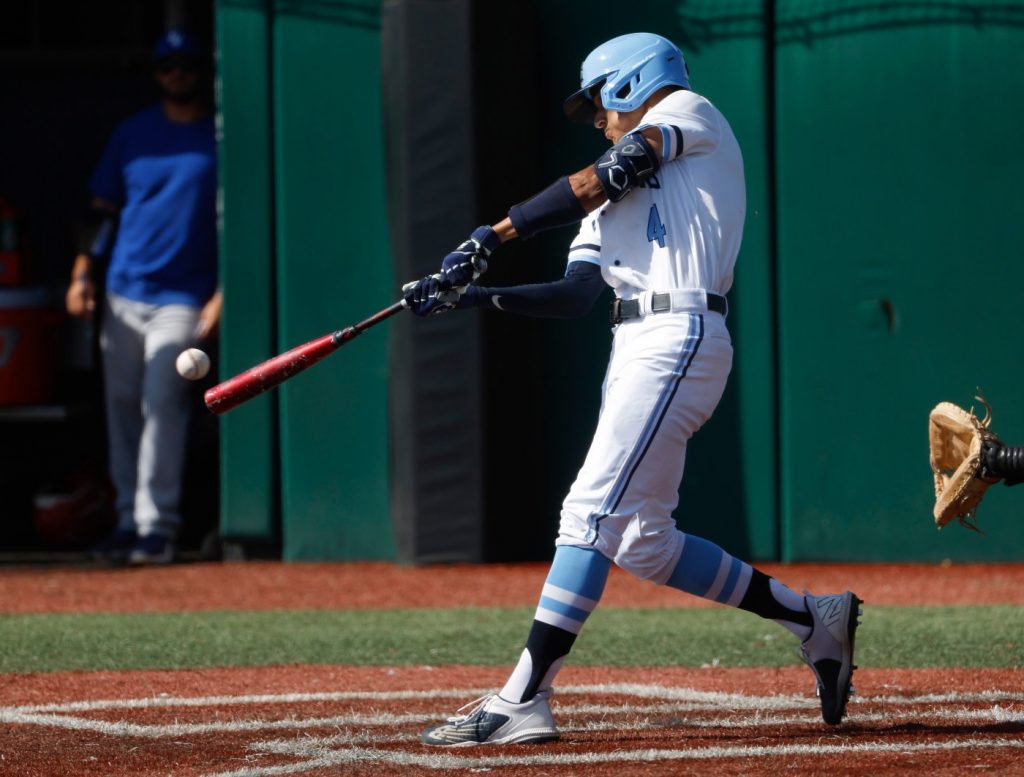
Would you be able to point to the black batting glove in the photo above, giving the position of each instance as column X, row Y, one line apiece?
column 469, row 261
column 429, row 296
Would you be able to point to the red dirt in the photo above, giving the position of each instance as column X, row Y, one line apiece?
column 273, row 585
column 42, row 750
column 958, row 734
column 45, row 687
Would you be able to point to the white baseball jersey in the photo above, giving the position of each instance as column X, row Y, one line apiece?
column 667, row 369
column 682, row 229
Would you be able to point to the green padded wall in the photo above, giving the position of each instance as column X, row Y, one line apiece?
column 248, row 454
column 730, row 491
column 333, row 269
column 900, row 234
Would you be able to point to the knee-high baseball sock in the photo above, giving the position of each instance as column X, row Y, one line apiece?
column 705, row 570
column 571, row 592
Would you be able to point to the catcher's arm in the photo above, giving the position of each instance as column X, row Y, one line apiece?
column 1003, row 461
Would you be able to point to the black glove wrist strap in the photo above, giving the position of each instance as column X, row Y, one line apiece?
column 1003, row 461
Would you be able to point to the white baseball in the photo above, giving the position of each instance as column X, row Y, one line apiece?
column 192, row 364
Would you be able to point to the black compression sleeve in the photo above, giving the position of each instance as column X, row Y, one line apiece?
column 556, row 206
column 569, row 297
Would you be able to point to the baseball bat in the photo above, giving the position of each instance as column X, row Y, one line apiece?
column 276, row 370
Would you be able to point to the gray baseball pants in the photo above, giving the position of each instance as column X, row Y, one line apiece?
column 148, row 408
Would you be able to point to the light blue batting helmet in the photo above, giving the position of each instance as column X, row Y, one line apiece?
column 627, row 70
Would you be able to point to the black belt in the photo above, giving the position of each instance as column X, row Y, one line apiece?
column 623, row 309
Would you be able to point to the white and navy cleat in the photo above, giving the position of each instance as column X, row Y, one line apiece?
column 829, row 650
column 494, row 721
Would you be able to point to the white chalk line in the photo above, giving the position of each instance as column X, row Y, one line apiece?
column 446, row 761
column 310, row 746
column 159, row 731
column 716, row 698
column 321, row 753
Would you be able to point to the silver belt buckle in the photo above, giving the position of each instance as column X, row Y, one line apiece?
column 615, row 312
column 661, row 302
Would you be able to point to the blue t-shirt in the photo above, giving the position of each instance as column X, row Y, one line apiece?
column 163, row 175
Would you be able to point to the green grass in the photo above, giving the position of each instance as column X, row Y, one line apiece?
column 890, row 637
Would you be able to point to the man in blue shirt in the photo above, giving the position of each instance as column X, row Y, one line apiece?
column 154, row 213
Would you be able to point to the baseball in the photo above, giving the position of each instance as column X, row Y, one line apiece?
column 193, row 364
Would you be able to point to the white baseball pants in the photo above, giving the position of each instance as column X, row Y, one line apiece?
column 666, row 375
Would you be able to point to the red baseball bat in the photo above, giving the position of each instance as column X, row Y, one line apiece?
column 276, row 370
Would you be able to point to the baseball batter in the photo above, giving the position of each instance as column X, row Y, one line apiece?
column 661, row 218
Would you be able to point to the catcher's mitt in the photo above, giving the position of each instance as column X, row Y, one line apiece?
column 956, row 438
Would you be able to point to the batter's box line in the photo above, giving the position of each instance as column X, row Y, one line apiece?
column 607, row 689
column 446, row 761
column 157, row 731
column 310, row 746
column 622, row 714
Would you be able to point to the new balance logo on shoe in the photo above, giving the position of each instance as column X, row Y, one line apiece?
column 829, row 650
column 830, row 609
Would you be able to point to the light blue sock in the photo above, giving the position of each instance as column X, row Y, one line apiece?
column 572, row 590
column 707, row 571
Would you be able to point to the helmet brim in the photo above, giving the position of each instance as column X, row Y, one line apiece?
column 579, row 106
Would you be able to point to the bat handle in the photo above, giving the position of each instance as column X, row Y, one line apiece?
column 351, row 332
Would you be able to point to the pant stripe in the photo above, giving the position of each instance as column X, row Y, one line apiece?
column 690, row 346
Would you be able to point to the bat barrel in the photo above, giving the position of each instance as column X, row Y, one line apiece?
column 263, row 377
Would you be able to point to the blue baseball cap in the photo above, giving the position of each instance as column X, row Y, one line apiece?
column 177, row 42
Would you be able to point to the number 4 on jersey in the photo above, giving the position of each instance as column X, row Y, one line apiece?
column 655, row 229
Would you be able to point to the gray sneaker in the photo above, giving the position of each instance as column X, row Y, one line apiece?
column 494, row 721
column 829, row 650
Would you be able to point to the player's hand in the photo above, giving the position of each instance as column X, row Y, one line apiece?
column 80, row 299
column 469, row 261
column 430, row 295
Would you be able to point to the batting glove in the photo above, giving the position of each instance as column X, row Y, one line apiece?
column 469, row 261
column 429, row 296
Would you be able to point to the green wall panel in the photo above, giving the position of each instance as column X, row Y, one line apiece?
column 247, row 435
column 333, row 269
column 729, row 491
column 900, row 233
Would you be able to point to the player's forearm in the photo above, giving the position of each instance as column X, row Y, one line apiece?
column 569, row 297
column 567, row 200
column 80, row 299
column 81, row 270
